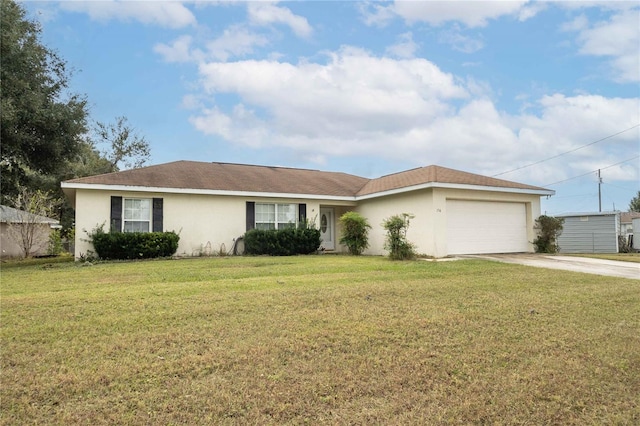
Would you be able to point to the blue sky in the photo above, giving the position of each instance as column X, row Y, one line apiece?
column 372, row 88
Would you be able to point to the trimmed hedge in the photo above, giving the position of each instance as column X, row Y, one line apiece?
column 283, row 242
column 134, row 245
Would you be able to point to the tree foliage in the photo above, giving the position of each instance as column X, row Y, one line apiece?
column 40, row 123
column 549, row 228
column 355, row 231
column 124, row 146
column 44, row 134
column 634, row 204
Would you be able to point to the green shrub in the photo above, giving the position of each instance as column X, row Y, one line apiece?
column 55, row 243
column 396, row 242
column 133, row 245
column 304, row 239
column 355, row 230
column 549, row 228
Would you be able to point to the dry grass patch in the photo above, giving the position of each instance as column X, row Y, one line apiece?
column 623, row 257
column 320, row 339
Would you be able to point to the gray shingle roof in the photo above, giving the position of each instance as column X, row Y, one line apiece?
column 12, row 215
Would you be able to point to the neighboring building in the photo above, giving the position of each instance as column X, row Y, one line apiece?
column 590, row 232
column 215, row 203
column 13, row 222
column 626, row 222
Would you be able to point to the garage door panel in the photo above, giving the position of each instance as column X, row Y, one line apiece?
column 475, row 227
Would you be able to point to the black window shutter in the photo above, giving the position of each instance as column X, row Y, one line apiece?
column 251, row 215
column 116, row 214
column 157, row 215
column 302, row 213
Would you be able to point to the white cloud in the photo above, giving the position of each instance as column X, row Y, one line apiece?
column 235, row 41
column 348, row 92
column 358, row 105
column 470, row 13
column 178, row 51
column 267, row 13
column 579, row 23
column 374, row 14
column 460, row 42
column 405, row 48
column 618, row 38
column 436, row 13
column 163, row 13
column 600, row 4
column 530, row 10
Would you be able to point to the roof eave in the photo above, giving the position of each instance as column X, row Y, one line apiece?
column 69, row 189
column 529, row 191
column 72, row 186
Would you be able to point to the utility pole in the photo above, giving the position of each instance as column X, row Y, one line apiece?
column 599, row 192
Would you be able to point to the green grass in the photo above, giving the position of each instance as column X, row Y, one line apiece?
column 318, row 339
column 624, row 257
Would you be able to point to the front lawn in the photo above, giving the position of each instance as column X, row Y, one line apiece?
column 317, row 339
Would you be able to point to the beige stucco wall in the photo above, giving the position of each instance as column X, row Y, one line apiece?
column 202, row 221
column 417, row 203
column 205, row 221
column 428, row 229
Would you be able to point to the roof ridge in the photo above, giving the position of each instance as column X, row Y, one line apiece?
column 265, row 166
column 403, row 171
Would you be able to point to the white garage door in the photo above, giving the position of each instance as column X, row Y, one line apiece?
column 475, row 227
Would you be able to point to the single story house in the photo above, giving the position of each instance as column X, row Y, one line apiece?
column 590, row 232
column 19, row 228
column 210, row 204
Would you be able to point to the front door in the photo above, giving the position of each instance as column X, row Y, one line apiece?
column 327, row 229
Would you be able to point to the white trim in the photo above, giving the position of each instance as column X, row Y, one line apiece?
column 456, row 186
column 577, row 214
column 205, row 191
column 254, row 194
column 148, row 220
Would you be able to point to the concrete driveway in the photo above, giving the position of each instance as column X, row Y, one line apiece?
column 570, row 263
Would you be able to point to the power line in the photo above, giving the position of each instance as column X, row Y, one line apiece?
column 619, row 187
column 567, row 152
column 594, row 171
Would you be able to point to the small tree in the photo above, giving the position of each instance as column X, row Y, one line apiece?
column 549, row 228
column 634, row 204
column 32, row 207
column 355, row 230
column 399, row 247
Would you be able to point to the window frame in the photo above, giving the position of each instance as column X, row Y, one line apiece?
column 280, row 220
column 148, row 220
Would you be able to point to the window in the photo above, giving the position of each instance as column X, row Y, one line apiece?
column 136, row 215
column 276, row 216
